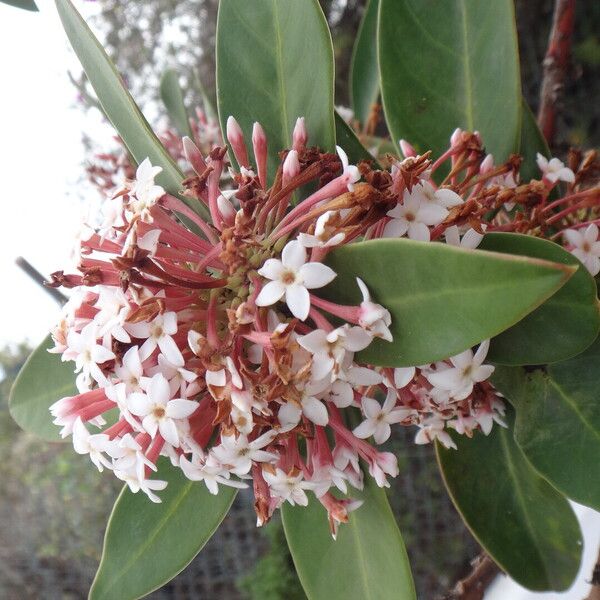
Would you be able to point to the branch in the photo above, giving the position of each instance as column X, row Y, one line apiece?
column 556, row 64
column 474, row 585
column 30, row 270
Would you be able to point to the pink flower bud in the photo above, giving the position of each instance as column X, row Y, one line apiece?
column 291, row 166
column 299, row 136
column 235, row 137
column 259, row 144
column 407, row 149
column 455, row 137
column 193, row 156
column 487, row 164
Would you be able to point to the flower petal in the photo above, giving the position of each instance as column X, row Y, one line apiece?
column 270, row 293
column 316, row 275
column 293, row 255
column 298, row 301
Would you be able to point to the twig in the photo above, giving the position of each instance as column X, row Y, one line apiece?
column 556, row 64
column 474, row 585
column 595, row 591
column 30, row 270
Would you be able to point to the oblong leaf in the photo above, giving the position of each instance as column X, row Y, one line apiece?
column 147, row 544
column 558, row 422
column 274, row 64
column 442, row 299
column 172, row 97
column 524, row 524
column 116, row 101
column 565, row 325
column 439, row 69
column 42, row 381
column 368, row 559
column 24, row 4
column 364, row 76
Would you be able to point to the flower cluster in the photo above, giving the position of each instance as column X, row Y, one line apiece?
column 212, row 340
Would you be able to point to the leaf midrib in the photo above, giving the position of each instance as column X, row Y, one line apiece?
column 467, row 68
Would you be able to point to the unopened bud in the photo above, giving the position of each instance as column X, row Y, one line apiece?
column 299, row 136
column 486, row 165
column 235, row 137
column 259, row 145
column 291, row 166
column 407, row 149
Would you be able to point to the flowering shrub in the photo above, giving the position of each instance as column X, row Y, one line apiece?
column 265, row 319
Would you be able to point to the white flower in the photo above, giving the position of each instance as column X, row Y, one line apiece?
column 586, row 247
column 237, row 454
column 433, row 429
column 470, row 239
column 145, row 191
column 554, row 170
column 351, row 173
column 113, row 310
column 158, row 332
column 467, row 370
column 88, row 353
column 136, row 483
column 403, row 376
column 159, row 412
column 414, row 217
column 379, row 418
column 373, row 318
column 93, row 444
column 292, row 276
column 312, row 408
column 131, row 372
column 321, row 237
column 329, row 349
column 288, row 487
column 425, row 193
column 208, row 470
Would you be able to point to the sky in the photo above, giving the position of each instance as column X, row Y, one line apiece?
column 43, row 198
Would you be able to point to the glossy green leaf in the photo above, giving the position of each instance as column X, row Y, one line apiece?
column 346, row 139
column 565, row 325
column 532, row 142
column 117, row 102
column 147, row 544
column 275, row 64
column 368, row 560
column 524, row 524
column 446, row 64
column 24, row 4
column 43, row 380
column 558, row 422
column 442, row 299
column 172, row 97
column 364, row 75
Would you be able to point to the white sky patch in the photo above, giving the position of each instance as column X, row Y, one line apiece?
column 44, row 193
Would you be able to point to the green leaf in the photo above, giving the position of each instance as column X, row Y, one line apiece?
column 524, row 524
column 172, row 97
column 43, row 380
column 558, row 422
column 346, row 139
column 274, row 64
column 565, row 325
column 364, row 78
column 532, row 142
column 147, row 544
column 117, row 102
column 442, row 299
column 368, row 560
column 440, row 68
column 24, row 4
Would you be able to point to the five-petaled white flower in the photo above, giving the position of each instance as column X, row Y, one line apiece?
column 144, row 189
column 554, row 170
column 414, row 217
column 372, row 317
column 586, row 247
column 159, row 412
column 89, row 353
column 426, row 193
column 158, row 332
column 236, row 454
column 288, row 487
column 379, row 418
column 292, row 276
column 95, row 444
column 467, row 369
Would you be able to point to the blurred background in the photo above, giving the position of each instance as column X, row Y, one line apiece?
column 53, row 504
